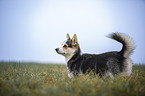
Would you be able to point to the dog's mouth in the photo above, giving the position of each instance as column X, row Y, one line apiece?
column 60, row 53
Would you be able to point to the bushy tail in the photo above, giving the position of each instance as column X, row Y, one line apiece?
column 128, row 44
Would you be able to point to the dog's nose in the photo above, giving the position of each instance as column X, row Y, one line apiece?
column 56, row 49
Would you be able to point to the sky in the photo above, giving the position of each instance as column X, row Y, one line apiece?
column 30, row 30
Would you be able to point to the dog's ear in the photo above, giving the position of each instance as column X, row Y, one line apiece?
column 74, row 40
column 68, row 37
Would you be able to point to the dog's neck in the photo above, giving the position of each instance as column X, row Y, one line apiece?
column 75, row 57
column 68, row 57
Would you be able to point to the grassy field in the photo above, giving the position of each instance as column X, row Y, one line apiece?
column 32, row 79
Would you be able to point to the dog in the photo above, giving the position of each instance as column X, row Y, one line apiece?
column 107, row 64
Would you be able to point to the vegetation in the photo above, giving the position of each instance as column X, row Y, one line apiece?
column 32, row 79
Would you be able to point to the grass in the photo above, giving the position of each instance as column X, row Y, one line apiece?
column 32, row 79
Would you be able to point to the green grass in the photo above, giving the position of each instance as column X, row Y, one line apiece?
column 32, row 79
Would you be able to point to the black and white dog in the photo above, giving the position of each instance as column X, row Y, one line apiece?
column 106, row 64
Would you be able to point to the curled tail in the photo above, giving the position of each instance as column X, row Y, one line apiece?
column 128, row 44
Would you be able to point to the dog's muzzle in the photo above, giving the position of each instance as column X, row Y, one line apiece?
column 59, row 52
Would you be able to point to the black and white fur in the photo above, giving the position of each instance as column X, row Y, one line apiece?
column 106, row 64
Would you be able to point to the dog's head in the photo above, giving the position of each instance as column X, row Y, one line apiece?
column 69, row 47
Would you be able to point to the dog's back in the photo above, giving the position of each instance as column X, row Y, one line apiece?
column 111, row 61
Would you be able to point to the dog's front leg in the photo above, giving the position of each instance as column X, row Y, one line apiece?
column 70, row 75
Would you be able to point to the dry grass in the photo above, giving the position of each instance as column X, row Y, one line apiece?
column 30, row 79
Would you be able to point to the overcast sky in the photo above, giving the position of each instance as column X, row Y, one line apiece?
column 30, row 30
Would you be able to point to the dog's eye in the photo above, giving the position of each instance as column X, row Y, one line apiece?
column 64, row 46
